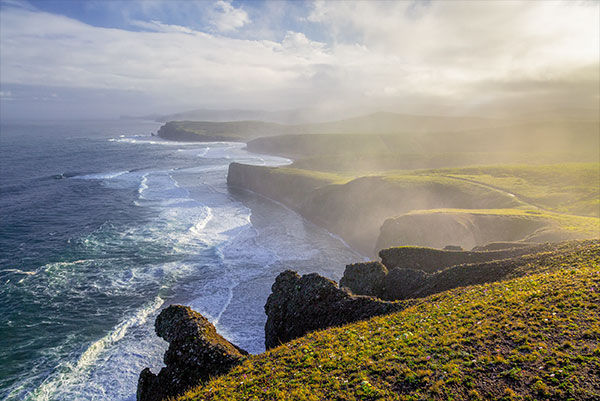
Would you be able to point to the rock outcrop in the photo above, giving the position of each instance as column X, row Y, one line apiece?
column 298, row 305
column 431, row 260
column 364, row 278
column 196, row 352
column 423, row 271
column 374, row 279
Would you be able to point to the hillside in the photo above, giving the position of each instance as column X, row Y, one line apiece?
column 533, row 337
column 377, row 123
column 382, row 132
column 369, row 135
column 356, row 208
column 564, row 188
column 469, row 228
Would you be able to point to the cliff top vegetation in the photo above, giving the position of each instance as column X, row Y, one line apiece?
column 534, row 337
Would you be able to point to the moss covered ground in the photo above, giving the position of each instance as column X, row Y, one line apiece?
column 531, row 338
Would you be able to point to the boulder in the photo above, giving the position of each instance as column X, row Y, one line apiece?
column 196, row 352
column 364, row 278
column 402, row 283
column 298, row 305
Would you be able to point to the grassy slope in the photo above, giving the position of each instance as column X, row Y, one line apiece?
column 586, row 225
column 566, row 188
column 536, row 337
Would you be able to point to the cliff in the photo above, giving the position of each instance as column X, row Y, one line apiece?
column 356, row 208
column 285, row 185
column 431, row 260
column 411, row 272
column 298, row 305
column 471, row 228
column 196, row 352
column 210, row 131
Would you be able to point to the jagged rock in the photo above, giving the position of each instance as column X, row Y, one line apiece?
column 298, row 305
column 364, row 278
column 431, row 260
column 402, row 283
column 374, row 279
column 196, row 352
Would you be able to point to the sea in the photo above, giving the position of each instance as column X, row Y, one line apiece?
column 102, row 225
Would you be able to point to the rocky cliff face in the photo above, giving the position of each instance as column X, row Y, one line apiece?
column 287, row 188
column 431, row 260
column 357, row 209
column 196, row 352
column 298, row 305
column 411, row 272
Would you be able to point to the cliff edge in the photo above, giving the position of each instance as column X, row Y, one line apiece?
column 196, row 352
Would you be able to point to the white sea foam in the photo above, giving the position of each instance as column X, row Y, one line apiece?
column 72, row 380
column 152, row 140
column 101, row 176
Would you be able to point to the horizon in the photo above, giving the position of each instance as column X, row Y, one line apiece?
column 90, row 60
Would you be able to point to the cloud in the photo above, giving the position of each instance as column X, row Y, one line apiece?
column 226, row 18
column 157, row 26
column 415, row 57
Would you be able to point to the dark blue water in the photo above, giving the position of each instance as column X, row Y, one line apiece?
column 103, row 225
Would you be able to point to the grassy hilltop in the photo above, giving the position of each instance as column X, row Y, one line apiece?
column 534, row 337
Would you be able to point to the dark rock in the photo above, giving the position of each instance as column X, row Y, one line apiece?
column 431, row 260
column 196, row 352
column 364, row 278
column 402, row 283
column 453, row 248
column 298, row 305
column 374, row 279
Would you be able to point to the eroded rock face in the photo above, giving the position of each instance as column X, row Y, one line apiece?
column 196, row 352
column 364, row 278
column 374, row 279
column 298, row 305
column 431, row 260
column 402, row 283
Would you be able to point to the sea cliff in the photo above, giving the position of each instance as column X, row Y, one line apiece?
column 375, row 212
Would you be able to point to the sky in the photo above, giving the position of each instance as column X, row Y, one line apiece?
column 102, row 59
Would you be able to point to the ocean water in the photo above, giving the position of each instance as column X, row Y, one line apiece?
column 102, row 225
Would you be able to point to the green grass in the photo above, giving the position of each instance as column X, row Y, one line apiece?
column 324, row 177
column 535, row 337
column 572, row 188
column 586, row 225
